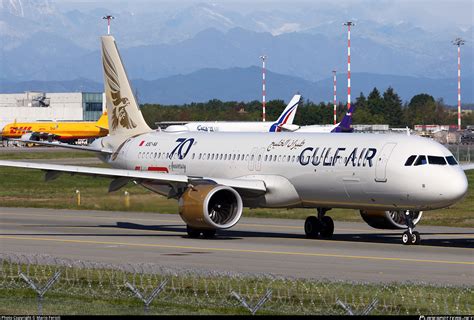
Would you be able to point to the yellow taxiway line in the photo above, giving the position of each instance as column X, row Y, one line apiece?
column 327, row 255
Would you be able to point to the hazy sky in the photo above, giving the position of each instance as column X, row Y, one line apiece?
column 431, row 14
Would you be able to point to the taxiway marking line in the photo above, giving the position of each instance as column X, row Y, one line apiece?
column 327, row 255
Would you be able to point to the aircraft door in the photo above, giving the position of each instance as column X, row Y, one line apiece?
column 259, row 158
column 381, row 162
column 252, row 159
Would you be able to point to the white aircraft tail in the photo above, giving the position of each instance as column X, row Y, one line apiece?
column 288, row 115
column 125, row 117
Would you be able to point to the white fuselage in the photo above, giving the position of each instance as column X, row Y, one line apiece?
column 307, row 170
column 246, row 126
column 227, row 126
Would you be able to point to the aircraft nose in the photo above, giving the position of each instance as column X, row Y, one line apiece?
column 455, row 187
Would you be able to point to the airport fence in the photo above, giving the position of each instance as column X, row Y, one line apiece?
column 44, row 284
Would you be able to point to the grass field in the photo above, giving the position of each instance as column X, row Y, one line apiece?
column 26, row 188
column 103, row 291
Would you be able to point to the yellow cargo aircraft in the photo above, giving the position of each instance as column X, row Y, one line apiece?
column 64, row 131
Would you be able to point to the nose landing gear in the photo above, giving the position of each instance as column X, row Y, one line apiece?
column 321, row 226
column 410, row 236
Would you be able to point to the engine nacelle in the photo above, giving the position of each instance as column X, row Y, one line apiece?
column 210, row 207
column 391, row 219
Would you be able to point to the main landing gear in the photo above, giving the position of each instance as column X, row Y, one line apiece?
column 321, row 226
column 196, row 233
column 410, row 236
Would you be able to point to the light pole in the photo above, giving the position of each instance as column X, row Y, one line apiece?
column 108, row 18
column 263, row 57
column 349, row 24
column 334, row 98
column 459, row 42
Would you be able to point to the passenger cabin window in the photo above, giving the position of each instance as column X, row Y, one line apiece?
column 436, row 160
column 420, row 161
column 410, row 160
column 451, row 160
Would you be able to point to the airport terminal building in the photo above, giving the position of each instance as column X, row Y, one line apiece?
column 39, row 106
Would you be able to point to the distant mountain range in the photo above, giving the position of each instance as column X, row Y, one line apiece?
column 193, row 48
column 244, row 84
column 46, row 56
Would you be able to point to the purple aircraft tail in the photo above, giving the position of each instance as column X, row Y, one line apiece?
column 346, row 123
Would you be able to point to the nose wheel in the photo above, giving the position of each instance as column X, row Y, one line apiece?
column 414, row 238
column 321, row 226
column 410, row 236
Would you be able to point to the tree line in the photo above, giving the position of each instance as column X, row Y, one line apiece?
column 376, row 108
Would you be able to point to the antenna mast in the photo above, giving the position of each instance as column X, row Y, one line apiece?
column 459, row 42
column 108, row 18
column 349, row 24
column 263, row 57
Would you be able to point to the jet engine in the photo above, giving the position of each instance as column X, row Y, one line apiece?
column 210, row 207
column 391, row 219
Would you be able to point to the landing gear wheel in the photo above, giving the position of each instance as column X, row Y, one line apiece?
column 415, row 238
column 192, row 232
column 406, row 238
column 327, row 228
column 209, row 234
column 312, row 227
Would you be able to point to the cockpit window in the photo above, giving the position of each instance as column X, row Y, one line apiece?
column 410, row 161
column 451, row 160
column 420, row 161
column 436, row 160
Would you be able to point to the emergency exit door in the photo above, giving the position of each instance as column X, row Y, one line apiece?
column 381, row 162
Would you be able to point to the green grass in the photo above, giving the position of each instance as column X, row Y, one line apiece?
column 12, row 155
column 103, row 291
column 26, row 188
column 24, row 301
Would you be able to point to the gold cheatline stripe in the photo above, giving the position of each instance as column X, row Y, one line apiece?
column 240, row 250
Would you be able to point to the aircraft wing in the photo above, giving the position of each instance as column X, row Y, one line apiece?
column 64, row 145
column 467, row 166
column 122, row 176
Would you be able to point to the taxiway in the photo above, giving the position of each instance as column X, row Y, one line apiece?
column 277, row 246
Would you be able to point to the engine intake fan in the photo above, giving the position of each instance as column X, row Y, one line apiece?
column 210, row 207
column 390, row 219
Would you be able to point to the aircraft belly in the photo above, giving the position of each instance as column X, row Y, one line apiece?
column 280, row 193
column 321, row 187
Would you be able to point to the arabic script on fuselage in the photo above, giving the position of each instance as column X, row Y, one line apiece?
column 286, row 143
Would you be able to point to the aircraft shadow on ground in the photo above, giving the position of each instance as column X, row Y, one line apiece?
column 467, row 242
column 225, row 235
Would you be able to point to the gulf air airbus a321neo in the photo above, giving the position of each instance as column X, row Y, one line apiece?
column 391, row 179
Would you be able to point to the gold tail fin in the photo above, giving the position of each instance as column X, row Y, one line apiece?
column 125, row 117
